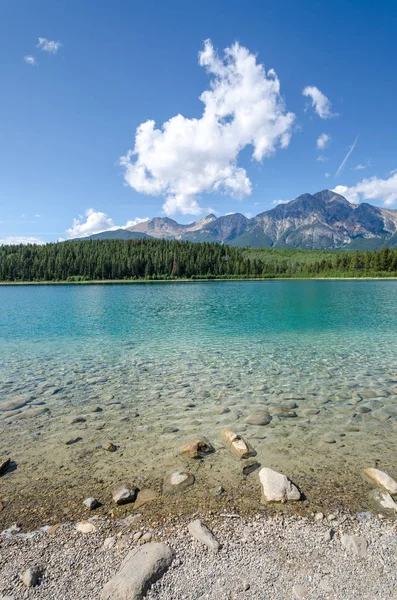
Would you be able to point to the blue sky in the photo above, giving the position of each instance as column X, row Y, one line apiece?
column 69, row 111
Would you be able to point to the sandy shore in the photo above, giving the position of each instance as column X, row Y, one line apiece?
column 281, row 557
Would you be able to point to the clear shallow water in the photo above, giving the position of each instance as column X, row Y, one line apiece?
column 178, row 353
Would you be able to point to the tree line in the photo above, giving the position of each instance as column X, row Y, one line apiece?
column 164, row 259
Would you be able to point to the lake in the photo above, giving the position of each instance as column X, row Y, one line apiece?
column 129, row 363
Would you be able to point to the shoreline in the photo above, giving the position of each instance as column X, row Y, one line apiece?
column 204, row 280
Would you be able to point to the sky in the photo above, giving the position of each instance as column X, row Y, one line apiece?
column 114, row 112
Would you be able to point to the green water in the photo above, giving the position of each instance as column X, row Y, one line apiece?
column 178, row 353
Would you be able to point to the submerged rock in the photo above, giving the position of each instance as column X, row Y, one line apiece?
column 141, row 568
column 143, row 497
column 236, row 443
column 196, row 448
column 382, row 479
column 259, row 418
column 201, row 532
column 277, row 487
column 177, row 481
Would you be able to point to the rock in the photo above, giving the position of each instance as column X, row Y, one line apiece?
column 328, row 535
column 299, row 591
column 251, row 467
column 74, row 420
column 31, row 577
column 329, row 439
column 196, row 448
column 277, row 487
column 381, row 415
column 143, row 497
column 259, row 418
column 91, row 503
column 142, row 567
column 355, row 544
column 4, row 466
column 146, row 537
column 382, row 479
column 170, row 429
column 73, row 441
column 222, row 410
column 137, row 536
column 236, row 443
column 363, row 410
column 177, row 481
column 201, row 533
column 384, row 499
column 109, row 543
column 319, row 516
column 124, row 494
column 218, row 491
column 86, row 527
column 109, row 447
column 1, row 505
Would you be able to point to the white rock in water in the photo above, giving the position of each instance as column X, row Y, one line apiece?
column 382, row 479
column 277, row 487
column 199, row 531
column 355, row 544
column 141, row 568
column 31, row 577
column 86, row 527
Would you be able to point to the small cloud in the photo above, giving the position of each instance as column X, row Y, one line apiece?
column 48, row 45
column 327, row 175
column 95, row 221
column 322, row 141
column 256, row 203
column 37, row 216
column 277, row 202
column 322, row 106
column 136, row 221
column 361, row 166
column 383, row 190
column 30, row 60
column 13, row 240
column 321, row 158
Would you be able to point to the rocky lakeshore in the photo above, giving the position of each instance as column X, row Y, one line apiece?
column 206, row 557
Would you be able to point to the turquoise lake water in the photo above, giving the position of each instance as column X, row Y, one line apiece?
column 178, row 354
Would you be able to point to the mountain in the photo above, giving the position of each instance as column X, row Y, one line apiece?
column 324, row 220
column 116, row 234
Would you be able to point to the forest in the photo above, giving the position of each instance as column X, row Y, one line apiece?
column 144, row 259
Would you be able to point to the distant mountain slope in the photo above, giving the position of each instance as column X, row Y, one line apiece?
column 324, row 220
column 117, row 234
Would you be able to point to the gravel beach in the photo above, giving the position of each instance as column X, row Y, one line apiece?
column 276, row 557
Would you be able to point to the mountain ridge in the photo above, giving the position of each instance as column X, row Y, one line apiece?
column 324, row 220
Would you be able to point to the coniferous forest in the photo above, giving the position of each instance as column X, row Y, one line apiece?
column 161, row 259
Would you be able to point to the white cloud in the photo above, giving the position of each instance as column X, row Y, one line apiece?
column 321, row 158
column 373, row 188
column 48, row 45
column 327, row 175
column 277, row 202
column 342, row 164
column 189, row 157
column 322, row 141
column 320, row 102
column 95, row 221
column 15, row 239
column 30, row 60
column 361, row 166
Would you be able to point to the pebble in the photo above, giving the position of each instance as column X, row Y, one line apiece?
column 137, row 536
column 201, row 533
column 299, row 591
column 31, row 577
column 86, row 527
column 109, row 543
column 109, row 447
column 259, row 418
column 146, row 537
column 91, row 503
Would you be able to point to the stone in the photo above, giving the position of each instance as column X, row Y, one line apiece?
column 31, row 577
column 86, row 527
column 329, row 439
column 251, row 467
column 137, row 536
column 124, row 494
column 74, row 420
column 381, row 415
column 236, row 444
column 170, row 429
column 143, row 497
column 319, row 516
column 355, row 544
column 328, row 535
column 91, row 503
column 177, row 481
column 141, row 568
column 222, row 410
column 277, row 487
column 2, row 505
column 259, row 418
column 382, row 479
column 201, row 533
column 109, row 447
column 4, row 466
column 196, row 448
column 146, row 537
column 299, row 591
column 73, row 441
column 109, row 543
column 384, row 499
column 363, row 409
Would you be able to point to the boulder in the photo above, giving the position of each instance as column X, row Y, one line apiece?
column 141, row 568
column 124, row 494
column 277, row 487
column 355, row 544
column 201, row 533
column 86, row 527
column 177, row 481
column 382, row 479
column 236, row 443
column 196, row 448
